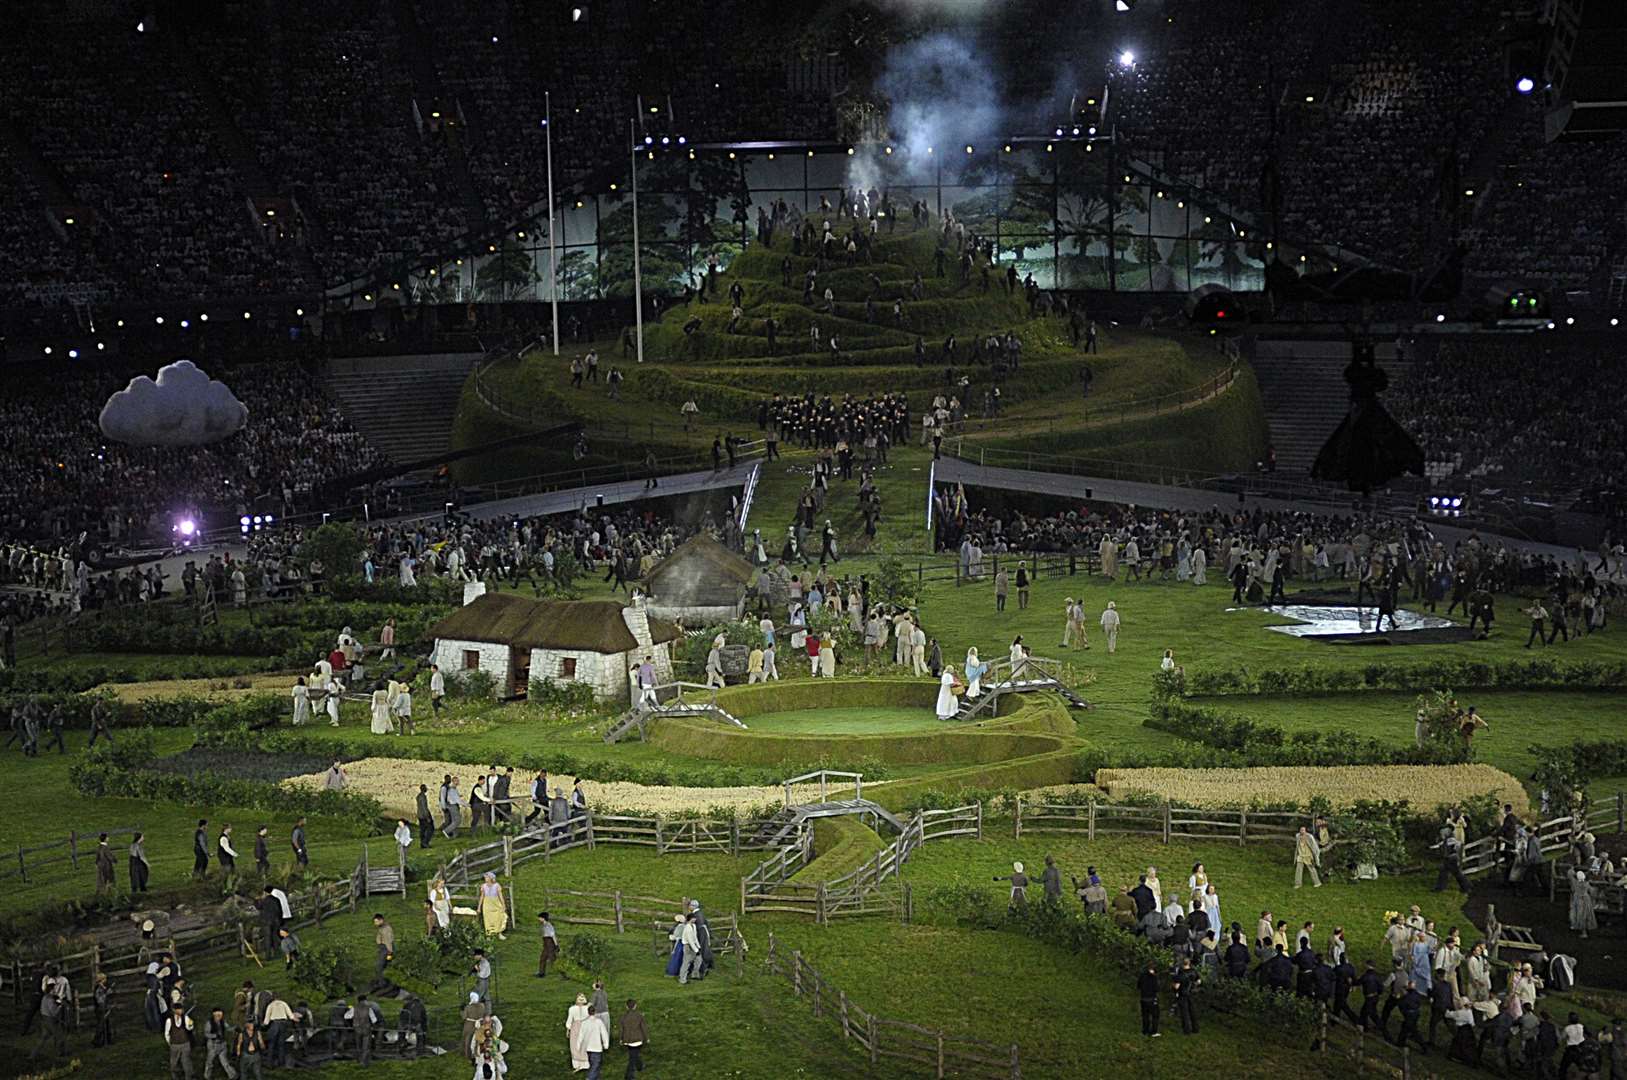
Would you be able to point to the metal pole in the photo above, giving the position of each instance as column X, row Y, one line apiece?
column 553, row 236
column 638, row 278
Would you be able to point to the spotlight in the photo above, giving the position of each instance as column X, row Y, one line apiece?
column 666, row 140
column 1075, row 131
column 1310, row 99
column 1434, row 501
column 48, row 350
column 682, row 140
column 1614, row 321
column 121, row 322
column 159, row 319
column 1059, row 133
column 1570, row 320
column 246, row 315
column 1524, row 84
column 141, row 27
column 810, row 153
column 648, row 140
column 1048, row 148
column 1127, row 58
column 185, row 324
column 203, row 317
column 1440, row 318
column 1550, row 326
column 269, row 519
column 299, row 311
column 576, row 14
column 889, row 150
column 1123, row 5
column 850, row 151
column 187, row 527
column 244, row 520
column 257, row 519
column 73, row 354
column 1456, row 502
column 968, row 148
column 100, row 346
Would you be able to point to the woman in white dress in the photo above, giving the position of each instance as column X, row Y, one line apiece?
column 381, row 712
column 1200, row 562
column 574, row 1019
column 1018, row 652
column 827, row 657
column 947, row 705
column 302, row 702
column 440, row 902
column 974, row 673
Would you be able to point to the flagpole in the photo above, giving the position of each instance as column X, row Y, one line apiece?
column 553, row 236
column 638, row 279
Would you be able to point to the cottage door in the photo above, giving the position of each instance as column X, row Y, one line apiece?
column 520, row 665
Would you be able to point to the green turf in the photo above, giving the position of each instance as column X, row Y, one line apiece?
column 858, row 721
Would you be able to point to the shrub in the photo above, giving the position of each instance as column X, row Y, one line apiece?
column 590, row 951
column 476, row 684
column 325, row 971
column 573, row 696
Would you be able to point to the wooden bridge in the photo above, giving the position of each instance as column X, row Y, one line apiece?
column 671, row 699
column 1033, row 674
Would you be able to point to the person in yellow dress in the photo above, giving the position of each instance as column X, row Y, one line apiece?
column 491, row 907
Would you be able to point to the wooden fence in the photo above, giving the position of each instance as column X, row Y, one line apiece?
column 126, row 965
column 1166, row 821
column 75, row 846
column 936, row 1050
column 873, row 888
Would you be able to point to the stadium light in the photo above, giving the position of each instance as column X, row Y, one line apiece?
column 1127, row 58
column 100, row 346
column 299, row 311
column 48, row 350
column 576, row 14
column 1570, row 320
column 1525, row 84
column 159, row 319
column 1122, row 6
column 73, row 354
column 1614, row 321
column 204, row 317
column 1440, row 318
column 185, row 325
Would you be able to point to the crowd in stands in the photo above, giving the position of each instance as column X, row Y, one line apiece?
column 1535, row 408
column 399, row 134
column 60, row 475
column 1548, row 215
column 1259, row 551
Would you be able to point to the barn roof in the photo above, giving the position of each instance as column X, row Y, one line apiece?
column 701, row 553
column 572, row 625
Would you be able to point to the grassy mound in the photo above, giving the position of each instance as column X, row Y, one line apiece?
column 728, row 374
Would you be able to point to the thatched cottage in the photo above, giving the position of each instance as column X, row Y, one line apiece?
column 701, row 582
column 516, row 639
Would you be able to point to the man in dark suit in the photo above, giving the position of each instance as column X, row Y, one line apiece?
column 200, row 849
column 1344, row 976
column 1236, row 958
column 1277, row 973
column 1142, row 895
column 1412, row 1007
column 1372, row 988
column 1147, row 988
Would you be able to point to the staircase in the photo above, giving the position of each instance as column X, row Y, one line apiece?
column 403, row 405
column 671, row 701
column 1037, row 674
column 1305, row 394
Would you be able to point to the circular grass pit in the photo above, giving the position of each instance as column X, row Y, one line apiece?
column 1031, row 742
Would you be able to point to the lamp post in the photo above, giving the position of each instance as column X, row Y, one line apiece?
column 553, row 236
column 638, row 278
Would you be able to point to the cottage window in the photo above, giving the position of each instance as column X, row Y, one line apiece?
column 471, row 659
column 567, row 668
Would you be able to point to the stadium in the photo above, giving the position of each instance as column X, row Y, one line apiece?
column 884, row 540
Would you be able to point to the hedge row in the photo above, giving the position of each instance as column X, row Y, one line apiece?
column 1537, row 673
column 1249, row 742
column 952, row 787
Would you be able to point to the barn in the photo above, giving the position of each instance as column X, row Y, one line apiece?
column 701, row 582
column 516, row 639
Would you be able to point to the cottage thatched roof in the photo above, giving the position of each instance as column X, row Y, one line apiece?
column 701, row 555
column 572, row 625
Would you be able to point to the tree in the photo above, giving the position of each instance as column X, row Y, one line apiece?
column 509, row 271
column 338, row 546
